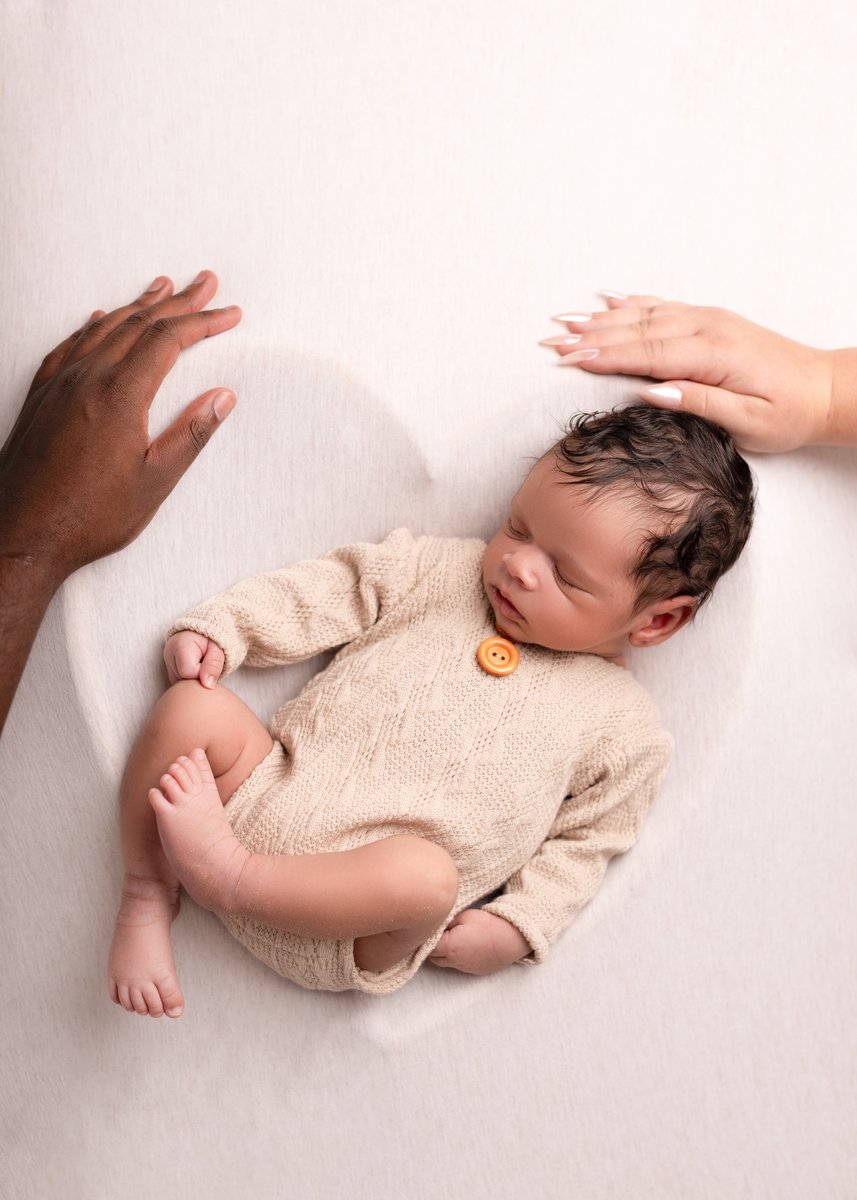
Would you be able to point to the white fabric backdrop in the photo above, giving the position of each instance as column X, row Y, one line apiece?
column 399, row 195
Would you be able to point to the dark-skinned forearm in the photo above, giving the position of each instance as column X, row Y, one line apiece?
column 26, row 589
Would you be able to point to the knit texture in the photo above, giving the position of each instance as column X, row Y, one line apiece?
column 531, row 781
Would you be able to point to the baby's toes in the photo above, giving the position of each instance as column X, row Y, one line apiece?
column 123, row 997
column 176, row 786
column 138, row 1004
column 199, row 760
column 152, row 997
column 183, row 773
column 170, row 998
column 192, row 780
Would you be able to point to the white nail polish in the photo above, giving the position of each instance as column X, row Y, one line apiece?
column 578, row 356
column 571, row 340
column 665, row 392
column 612, row 295
column 576, row 318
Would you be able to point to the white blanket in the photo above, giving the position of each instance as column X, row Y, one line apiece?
column 399, row 195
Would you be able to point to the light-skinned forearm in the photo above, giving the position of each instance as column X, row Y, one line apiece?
column 26, row 589
column 841, row 424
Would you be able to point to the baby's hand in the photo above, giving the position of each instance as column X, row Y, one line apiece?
column 479, row 943
column 190, row 655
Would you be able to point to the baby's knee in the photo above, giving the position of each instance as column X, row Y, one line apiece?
column 429, row 875
column 188, row 705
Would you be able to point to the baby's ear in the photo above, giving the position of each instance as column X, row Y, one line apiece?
column 661, row 620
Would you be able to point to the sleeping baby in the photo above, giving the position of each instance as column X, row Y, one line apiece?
column 476, row 734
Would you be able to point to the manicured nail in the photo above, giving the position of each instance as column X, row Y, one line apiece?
column 569, row 340
column 222, row 404
column 612, row 295
column 672, row 395
column 576, row 318
column 568, row 360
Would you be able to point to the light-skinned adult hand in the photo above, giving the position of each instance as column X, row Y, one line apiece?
column 769, row 392
column 79, row 477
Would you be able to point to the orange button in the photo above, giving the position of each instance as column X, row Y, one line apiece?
column 497, row 656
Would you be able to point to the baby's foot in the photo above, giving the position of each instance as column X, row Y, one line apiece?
column 196, row 836
column 141, row 969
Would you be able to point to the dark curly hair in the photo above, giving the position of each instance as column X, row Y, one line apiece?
column 690, row 479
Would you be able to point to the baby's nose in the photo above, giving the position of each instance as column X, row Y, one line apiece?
column 518, row 567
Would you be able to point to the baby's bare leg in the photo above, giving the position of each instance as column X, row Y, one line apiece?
column 142, row 975
column 388, row 895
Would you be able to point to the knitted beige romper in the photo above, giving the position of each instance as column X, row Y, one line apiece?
column 531, row 781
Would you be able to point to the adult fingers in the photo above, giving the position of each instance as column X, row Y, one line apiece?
column 618, row 300
column 153, row 356
column 211, row 667
column 49, row 367
column 141, row 318
column 635, row 328
column 590, row 322
column 173, row 452
column 746, row 418
column 658, row 357
column 54, row 359
column 94, row 334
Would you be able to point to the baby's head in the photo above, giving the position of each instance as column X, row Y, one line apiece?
column 620, row 532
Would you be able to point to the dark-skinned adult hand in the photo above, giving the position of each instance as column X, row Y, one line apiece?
column 769, row 392
column 79, row 477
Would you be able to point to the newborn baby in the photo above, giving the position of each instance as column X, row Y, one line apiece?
column 477, row 729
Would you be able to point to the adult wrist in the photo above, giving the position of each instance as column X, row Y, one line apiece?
column 839, row 425
column 32, row 572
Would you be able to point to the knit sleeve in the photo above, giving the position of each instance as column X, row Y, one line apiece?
column 601, row 820
column 308, row 607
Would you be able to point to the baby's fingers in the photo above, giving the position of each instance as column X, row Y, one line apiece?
column 438, row 955
column 183, row 654
column 211, row 667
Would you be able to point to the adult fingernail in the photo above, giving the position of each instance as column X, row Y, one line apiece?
column 568, row 360
column 155, row 285
column 612, row 295
column 223, row 403
column 665, row 392
column 569, row 340
column 199, row 278
column 576, row 318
